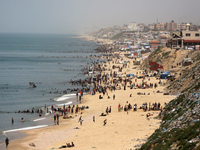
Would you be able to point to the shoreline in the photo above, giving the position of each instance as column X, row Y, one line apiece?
column 20, row 134
column 36, row 115
column 95, row 109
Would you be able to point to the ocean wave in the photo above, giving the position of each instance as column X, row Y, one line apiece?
column 26, row 128
column 39, row 119
column 64, row 97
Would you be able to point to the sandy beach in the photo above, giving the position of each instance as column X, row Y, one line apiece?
column 123, row 130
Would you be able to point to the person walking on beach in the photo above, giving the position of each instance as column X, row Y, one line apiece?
column 57, row 119
column 54, row 119
column 6, row 142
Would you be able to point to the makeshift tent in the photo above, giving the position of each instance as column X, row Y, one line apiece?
column 165, row 75
column 130, row 75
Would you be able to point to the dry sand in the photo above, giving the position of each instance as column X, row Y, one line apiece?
column 122, row 131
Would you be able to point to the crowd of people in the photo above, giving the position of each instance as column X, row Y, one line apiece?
column 155, row 106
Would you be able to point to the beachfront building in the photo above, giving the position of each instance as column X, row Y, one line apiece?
column 185, row 39
column 183, row 26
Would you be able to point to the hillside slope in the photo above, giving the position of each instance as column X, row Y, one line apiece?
column 180, row 126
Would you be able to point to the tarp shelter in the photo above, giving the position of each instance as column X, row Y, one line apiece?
column 155, row 66
column 165, row 75
column 130, row 74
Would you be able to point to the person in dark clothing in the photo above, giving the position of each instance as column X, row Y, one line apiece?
column 12, row 120
column 57, row 119
column 54, row 119
column 7, row 141
column 93, row 118
column 104, row 122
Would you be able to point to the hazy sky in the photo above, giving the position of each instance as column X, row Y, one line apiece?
column 72, row 16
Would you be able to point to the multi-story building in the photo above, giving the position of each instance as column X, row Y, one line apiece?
column 185, row 39
column 133, row 26
column 157, row 26
column 151, row 26
column 171, row 26
column 141, row 26
column 178, row 27
column 183, row 26
column 162, row 26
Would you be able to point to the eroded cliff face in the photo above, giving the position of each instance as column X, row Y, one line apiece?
column 180, row 125
column 172, row 60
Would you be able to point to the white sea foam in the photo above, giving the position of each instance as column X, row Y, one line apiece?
column 26, row 128
column 64, row 97
column 39, row 119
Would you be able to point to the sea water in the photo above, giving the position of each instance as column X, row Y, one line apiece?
column 48, row 60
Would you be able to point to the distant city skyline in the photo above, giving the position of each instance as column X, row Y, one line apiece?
column 50, row 16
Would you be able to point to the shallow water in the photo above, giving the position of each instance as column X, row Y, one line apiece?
column 50, row 61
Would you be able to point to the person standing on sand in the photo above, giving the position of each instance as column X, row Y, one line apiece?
column 104, row 122
column 57, row 119
column 81, row 122
column 109, row 110
column 6, row 142
column 54, row 119
column 114, row 97
column 80, row 118
column 93, row 118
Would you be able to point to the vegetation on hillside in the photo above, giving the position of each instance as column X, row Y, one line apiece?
column 117, row 36
column 180, row 126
